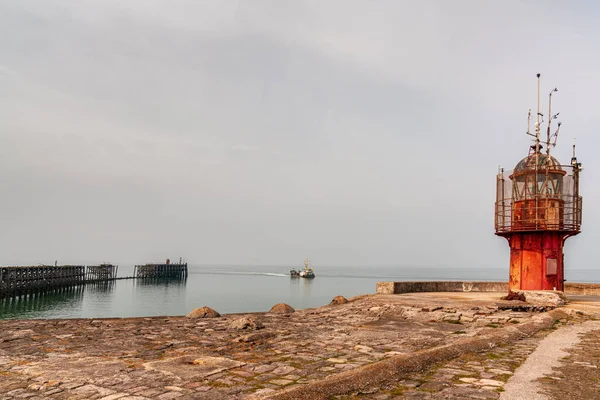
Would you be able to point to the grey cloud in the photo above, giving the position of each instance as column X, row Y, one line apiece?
column 354, row 132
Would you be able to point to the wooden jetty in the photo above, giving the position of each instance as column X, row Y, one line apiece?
column 17, row 281
column 166, row 270
column 102, row 272
column 26, row 280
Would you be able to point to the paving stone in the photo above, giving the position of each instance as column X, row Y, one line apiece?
column 263, row 392
column 500, row 371
column 92, row 389
column 26, row 395
column 174, row 388
column 261, row 369
column 115, row 396
column 283, row 370
column 52, row 392
column 149, row 392
column 281, row 382
column 489, row 382
column 133, row 398
column 70, row 385
column 170, row 395
column 337, row 360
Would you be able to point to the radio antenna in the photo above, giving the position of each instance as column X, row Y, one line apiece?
column 556, row 134
column 529, row 123
column 537, row 120
column 550, row 118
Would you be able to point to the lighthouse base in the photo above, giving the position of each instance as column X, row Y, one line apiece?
column 536, row 260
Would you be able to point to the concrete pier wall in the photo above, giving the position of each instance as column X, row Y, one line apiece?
column 440, row 286
column 589, row 289
column 459, row 286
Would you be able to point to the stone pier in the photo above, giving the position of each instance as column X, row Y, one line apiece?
column 414, row 345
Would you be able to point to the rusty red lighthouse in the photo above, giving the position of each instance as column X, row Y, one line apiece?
column 537, row 208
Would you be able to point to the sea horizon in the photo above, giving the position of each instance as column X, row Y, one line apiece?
column 234, row 289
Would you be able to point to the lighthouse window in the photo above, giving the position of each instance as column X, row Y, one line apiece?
column 519, row 190
column 529, row 186
column 550, row 266
column 557, row 181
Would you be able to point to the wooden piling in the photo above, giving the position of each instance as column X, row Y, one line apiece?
column 26, row 280
column 167, row 270
column 16, row 281
column 102, row 272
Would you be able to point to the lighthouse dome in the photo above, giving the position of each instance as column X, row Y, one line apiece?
column 543, row 161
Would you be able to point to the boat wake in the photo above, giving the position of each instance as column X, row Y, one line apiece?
column 240, row 273
column 267, row 273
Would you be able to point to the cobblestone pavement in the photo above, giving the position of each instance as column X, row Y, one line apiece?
column 176, row 357
column 483, row 375
column 578, row 376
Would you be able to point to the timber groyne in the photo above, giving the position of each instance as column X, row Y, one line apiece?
column 18, row 281
column 102, row 272
column 167, row 270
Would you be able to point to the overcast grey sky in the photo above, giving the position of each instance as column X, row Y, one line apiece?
column 263, row 132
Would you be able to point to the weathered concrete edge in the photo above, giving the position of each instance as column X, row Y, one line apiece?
column 439, row 286
column 572, row 288
column 591, row 289
column 390, row 370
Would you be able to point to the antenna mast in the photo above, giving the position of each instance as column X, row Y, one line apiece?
column 550, row 118
column 537, row 152
column 537, row 120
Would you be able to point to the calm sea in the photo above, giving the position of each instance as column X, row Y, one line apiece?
column 232, row 289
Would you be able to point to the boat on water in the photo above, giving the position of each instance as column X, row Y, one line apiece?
column 307, row 272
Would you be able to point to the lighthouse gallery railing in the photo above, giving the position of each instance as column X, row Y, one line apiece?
column 538, row 208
